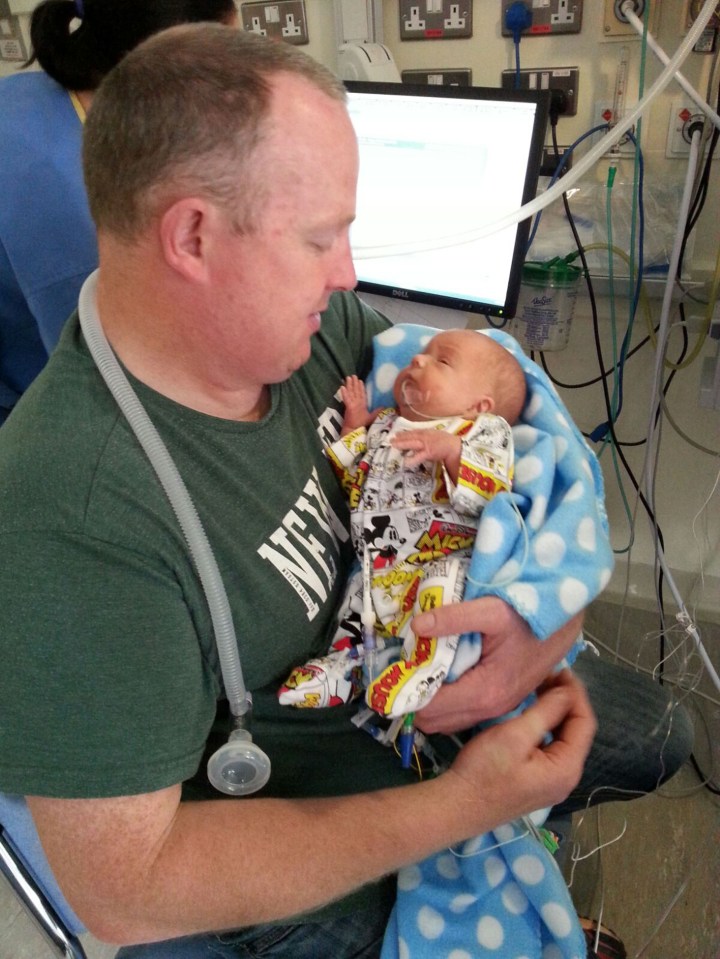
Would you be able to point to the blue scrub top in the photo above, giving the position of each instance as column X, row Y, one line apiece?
column 47, row 237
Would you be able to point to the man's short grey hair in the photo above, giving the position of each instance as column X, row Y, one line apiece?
column 181, row 115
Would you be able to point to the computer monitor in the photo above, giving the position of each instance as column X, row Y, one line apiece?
column 438, row 165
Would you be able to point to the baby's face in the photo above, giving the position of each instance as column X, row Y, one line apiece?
column 451, row 377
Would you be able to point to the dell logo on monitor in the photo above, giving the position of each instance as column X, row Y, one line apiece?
column 401, row 293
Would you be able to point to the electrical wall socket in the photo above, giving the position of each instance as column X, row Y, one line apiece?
column 550, row 161
column 546, row 78
column 683, row 114
column 283, row 20
column 615, row 23
column 553, row 16
column 454, row 77
column 435, row 19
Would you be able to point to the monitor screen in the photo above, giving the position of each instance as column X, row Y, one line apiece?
column 438, row 165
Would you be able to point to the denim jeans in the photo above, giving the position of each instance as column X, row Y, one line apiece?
column 357, row 936
column 643, row 738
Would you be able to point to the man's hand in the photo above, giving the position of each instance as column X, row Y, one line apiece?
column 513, row 662
column 518, row 767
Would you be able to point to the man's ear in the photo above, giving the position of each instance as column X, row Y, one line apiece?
column 184, row 236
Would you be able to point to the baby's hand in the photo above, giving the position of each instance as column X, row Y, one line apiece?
column 435, row 446
column 354, row 396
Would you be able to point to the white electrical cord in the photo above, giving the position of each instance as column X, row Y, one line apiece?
column 683, row 616
column 578, row 170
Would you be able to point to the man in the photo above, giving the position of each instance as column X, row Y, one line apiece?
column 221, row 175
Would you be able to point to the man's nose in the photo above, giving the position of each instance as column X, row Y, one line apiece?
column 343, row 276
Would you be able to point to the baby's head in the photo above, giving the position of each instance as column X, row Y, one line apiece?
column 461, row 373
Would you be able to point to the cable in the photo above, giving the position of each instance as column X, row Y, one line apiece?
column 628, row 12
column 518, row 17
column 529, row 209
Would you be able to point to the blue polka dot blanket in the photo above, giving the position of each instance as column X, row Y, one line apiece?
column 501, row 894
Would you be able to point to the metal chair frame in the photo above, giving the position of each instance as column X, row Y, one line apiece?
column 36, row 903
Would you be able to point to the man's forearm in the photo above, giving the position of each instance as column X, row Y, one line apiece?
column 143, row 868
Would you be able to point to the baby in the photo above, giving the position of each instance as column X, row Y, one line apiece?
column 417, row 476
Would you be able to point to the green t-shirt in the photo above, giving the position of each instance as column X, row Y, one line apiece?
column 110, row 681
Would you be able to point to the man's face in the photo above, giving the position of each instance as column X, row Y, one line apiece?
column 272, row 284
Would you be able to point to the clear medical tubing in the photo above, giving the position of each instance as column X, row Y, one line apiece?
column 637, row 23
column 578, row 170
column 202, row 555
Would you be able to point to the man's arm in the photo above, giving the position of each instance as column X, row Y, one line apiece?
column 148, row 867
column 512, row 664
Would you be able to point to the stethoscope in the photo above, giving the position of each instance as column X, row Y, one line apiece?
column 240, row 767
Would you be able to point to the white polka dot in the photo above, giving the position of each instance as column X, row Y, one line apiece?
column 403, row 951
column 528, row 468
column 605, row 576
column 473, row 846
column 490, row 933
column 536, row 516
column 392, row 336
column 575, row 492
column 504, row 833
column 461, row 903
column 529, row 869
column 573, row 595
column 385, row 376
column 585, row 465
column 525, row 596
column 534, row 406
column 561, row 420
column 561, row 447
column 495, row 870
column 430, row 923
column 508, row 572
column 459, row 954
column 549, row 549
column 514, row 899
column 524, row 438
column 557, row 919
column 448, row 866
column 586, row 534
column 552, row 951
column 490, row 536
column 409, row 878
